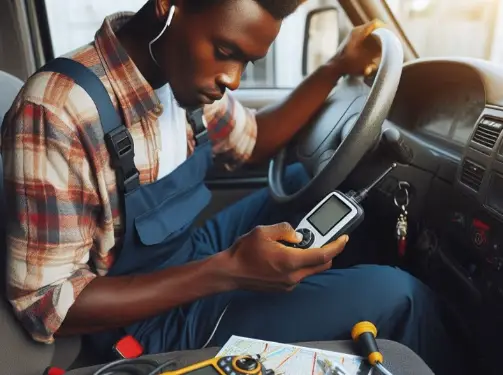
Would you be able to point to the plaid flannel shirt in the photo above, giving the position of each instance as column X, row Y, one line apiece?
column 63, row 206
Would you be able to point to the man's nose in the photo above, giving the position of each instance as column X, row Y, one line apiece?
column 231, row 79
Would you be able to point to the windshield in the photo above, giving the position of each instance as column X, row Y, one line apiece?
column 468, row 28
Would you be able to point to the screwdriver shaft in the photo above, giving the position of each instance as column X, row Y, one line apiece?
column 383, row 369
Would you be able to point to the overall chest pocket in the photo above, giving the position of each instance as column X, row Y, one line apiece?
column 172, row 217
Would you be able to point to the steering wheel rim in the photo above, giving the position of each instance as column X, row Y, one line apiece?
column 339, row 163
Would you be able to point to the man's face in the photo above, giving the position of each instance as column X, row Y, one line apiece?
column 205, row 53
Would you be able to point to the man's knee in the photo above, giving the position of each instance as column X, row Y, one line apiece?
column 397, row 292
column 295, row 178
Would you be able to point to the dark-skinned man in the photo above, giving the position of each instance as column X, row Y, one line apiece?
column 82, row 263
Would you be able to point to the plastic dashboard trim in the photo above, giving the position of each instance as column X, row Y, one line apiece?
column 490, row 159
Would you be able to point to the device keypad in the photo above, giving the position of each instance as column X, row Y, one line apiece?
column 307, row 238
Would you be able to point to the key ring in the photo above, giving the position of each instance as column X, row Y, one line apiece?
column 402, row 186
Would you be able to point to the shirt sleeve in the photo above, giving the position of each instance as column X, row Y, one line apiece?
column 51, row 217
column 232, row 129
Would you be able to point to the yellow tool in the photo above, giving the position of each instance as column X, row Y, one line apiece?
column 230, row 365
column 364, row 334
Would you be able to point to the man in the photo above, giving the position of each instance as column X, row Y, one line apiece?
column 80, row 263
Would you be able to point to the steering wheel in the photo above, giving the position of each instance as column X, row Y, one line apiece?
column 344, row 129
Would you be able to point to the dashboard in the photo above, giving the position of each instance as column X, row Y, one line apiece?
column 440, row 100
column 450, row 112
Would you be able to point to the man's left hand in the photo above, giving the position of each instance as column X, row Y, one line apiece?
column 358, row 54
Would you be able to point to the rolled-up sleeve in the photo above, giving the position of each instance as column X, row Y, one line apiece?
column 232, row 129
column 51, row 217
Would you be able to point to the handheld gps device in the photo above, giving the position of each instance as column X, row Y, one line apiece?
column 336, row 214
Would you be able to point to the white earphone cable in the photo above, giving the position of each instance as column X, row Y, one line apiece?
column 166, row 25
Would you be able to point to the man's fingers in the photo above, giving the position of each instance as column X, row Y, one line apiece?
column 369, row 47
column 334, row 248
column 370, row 69
column 370, row 27
column 320, row 256
column 281, row 232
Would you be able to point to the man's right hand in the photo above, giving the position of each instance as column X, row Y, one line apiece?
column 259, row 262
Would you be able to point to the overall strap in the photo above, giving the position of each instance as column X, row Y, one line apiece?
column 118, row 140
column 196, row 121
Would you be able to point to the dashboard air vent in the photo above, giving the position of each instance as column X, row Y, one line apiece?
column 472, row 175
column 488, row 132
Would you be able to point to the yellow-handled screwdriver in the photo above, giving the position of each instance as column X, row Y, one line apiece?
column 364, row 334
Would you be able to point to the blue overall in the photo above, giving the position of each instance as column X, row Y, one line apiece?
column 159, row 233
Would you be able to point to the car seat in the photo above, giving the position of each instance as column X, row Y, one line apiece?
column 19, row 354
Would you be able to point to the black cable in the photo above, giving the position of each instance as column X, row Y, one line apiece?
column 162, row 367
column 114, row 366
column 128, row 371
column 362, row 194
column 117, row 367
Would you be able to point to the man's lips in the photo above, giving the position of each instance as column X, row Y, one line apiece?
column 212, row 95
column 203, row 99
column 208, row 96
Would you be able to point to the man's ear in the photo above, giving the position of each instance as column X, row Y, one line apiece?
column 162, row 8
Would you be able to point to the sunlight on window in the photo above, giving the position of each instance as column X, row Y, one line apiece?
column 420, row 5
column 471, row 28
column 82, row 19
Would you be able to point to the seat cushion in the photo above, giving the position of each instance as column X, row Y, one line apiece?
column 9, row 87
column 398, row 358
column 19, row 354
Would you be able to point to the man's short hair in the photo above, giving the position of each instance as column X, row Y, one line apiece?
column 279, row 9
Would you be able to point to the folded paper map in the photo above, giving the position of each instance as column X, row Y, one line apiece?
column 295, row 360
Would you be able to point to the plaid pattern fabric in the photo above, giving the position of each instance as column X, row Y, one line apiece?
column 61, row 191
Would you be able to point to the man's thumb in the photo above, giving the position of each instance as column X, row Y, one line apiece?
column 283, row 232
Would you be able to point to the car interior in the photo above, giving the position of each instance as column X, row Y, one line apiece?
column 434, row 107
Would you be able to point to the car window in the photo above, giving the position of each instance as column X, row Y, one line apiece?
column 469, row 28
column 73, row 23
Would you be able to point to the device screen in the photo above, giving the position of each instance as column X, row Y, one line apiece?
column 207, row 370
column 328, row 215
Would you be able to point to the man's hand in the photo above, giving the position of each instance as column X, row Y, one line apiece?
column 277, row 124
column 358, row 54
column 257, row 261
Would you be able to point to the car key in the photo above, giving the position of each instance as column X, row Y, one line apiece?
column 402, row 202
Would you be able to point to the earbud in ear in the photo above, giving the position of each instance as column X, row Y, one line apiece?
column 171, row 14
